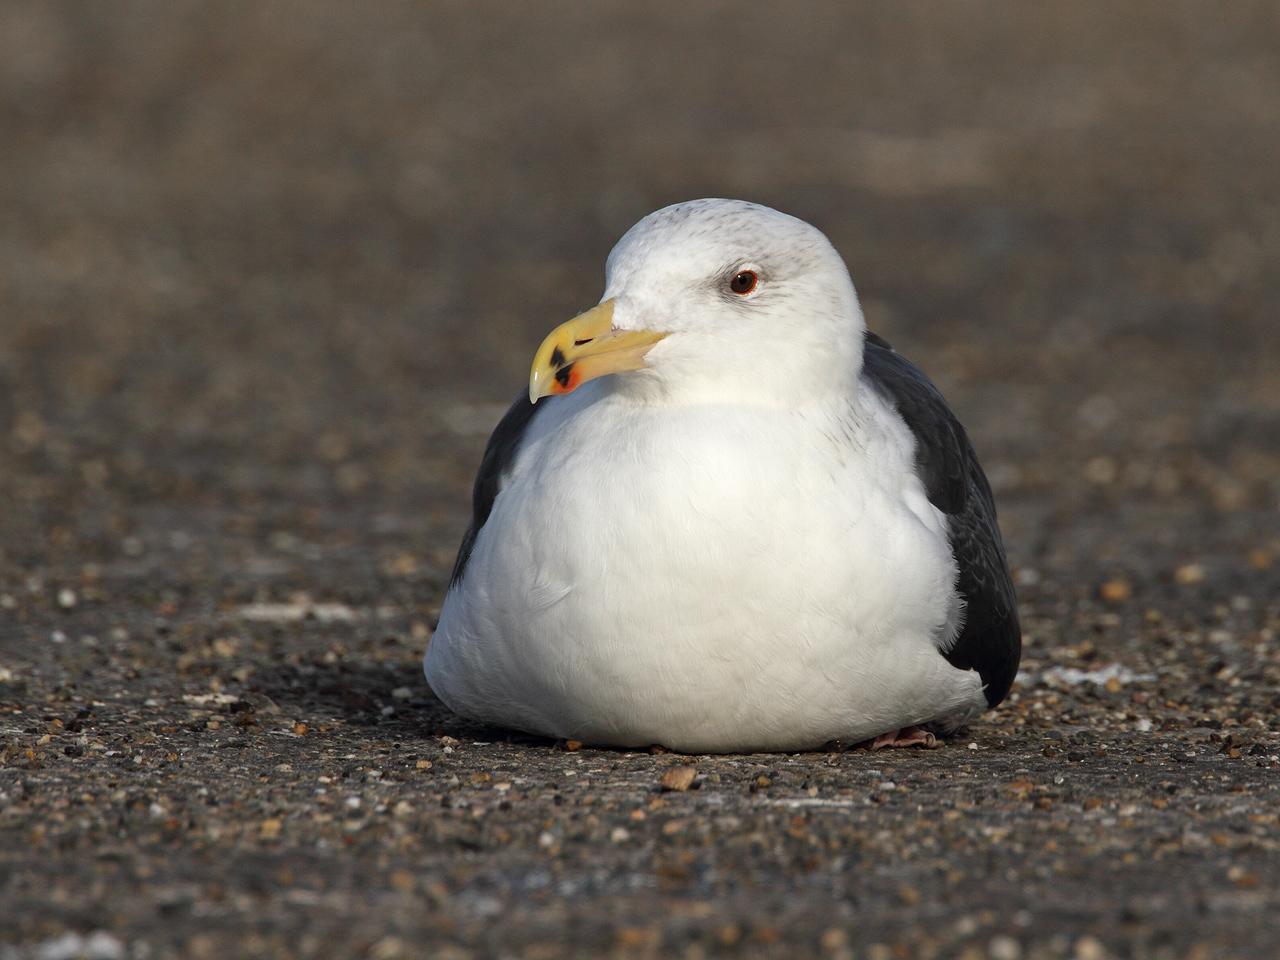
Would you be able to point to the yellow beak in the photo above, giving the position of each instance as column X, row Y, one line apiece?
column 584, row 348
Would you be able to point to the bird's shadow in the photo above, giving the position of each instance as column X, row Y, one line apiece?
column 392, row 696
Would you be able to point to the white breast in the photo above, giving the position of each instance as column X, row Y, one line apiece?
column 707, row 578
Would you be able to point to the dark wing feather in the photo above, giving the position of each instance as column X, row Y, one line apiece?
column 991, row 640
column 498, row 457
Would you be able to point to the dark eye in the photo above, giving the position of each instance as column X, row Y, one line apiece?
column 744, row 282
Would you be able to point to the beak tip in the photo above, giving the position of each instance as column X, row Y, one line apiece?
column 584, row 348
column 536, row 392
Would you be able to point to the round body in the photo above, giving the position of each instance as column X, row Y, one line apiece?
column 708, row 577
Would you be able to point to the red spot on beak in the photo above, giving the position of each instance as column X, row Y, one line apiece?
column 568, row 383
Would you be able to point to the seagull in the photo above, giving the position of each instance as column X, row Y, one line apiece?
column 727, row 517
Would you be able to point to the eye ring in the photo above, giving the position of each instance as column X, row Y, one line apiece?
column 744, row 282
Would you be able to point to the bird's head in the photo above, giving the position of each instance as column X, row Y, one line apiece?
column 714, row 299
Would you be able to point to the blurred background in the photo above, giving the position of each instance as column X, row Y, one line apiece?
column 296, row 257
column 270, row 272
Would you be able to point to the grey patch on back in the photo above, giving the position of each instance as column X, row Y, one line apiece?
column 990, row 641
column 499, row 454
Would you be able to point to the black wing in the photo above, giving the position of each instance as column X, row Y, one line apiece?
column 991, row 641
column 498, row 456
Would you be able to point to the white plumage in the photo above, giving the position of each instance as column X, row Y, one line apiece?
column 727, row 549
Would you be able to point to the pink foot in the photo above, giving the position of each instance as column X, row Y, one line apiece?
column 906, row 737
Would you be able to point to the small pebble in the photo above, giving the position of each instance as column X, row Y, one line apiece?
column 678, row 778
column 1089, row 948
column 1259, row 559
column 1116, row 591
column 833, row 939
column 1189, row 574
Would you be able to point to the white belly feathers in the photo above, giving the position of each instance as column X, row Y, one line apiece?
column 706, row 578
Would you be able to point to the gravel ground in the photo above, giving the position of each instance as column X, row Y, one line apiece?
column 268, row 275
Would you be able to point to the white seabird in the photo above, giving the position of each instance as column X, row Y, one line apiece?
column 736, row 520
